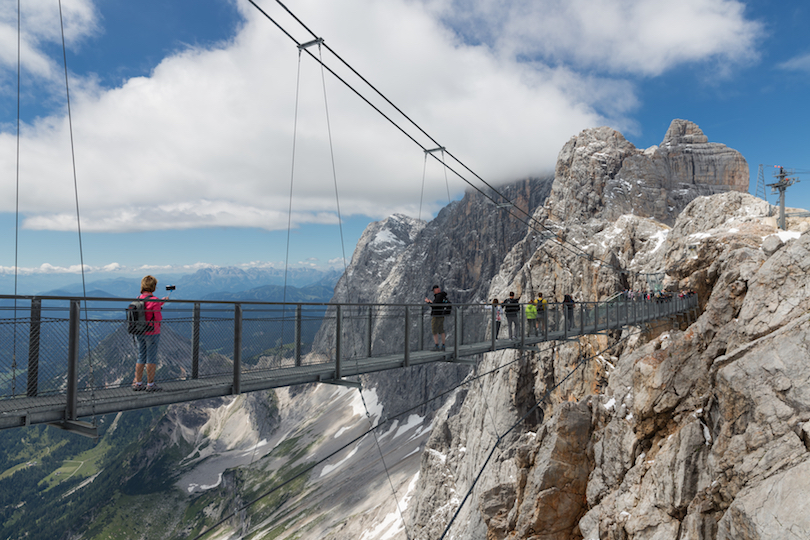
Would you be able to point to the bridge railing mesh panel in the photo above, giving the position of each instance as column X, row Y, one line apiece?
column 197, row 338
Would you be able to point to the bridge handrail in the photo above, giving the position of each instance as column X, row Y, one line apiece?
column 82, row 349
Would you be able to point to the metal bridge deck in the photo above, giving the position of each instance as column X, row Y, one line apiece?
column 64, row 407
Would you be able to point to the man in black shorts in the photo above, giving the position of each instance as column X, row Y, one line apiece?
column 437, row 312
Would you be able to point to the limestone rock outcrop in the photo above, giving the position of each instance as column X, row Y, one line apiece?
column 696, row 429
column 604, row 175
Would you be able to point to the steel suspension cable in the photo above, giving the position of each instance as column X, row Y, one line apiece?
column 422, row 193
column 16, row 207
column 334, row 169
column 381, row 423
column 348, row 288
column 527, row 219
column 78, row 217
column 292, row 175
column 289, row 209
column 385, row 466
column 446, row 182
column 392, row 104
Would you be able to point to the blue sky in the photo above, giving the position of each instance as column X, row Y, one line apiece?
column 184, row 113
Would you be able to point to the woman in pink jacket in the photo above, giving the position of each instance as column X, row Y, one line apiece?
column 148, row 341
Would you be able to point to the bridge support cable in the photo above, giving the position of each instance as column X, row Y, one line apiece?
column 92, row 384
column 17, row 208
column 289, row 206
column 304, row 47
column 526, row 218
column 422, row 192
column 407, row 134
column 381, row 423
column 385, row 466
column 430, row 152
column 195, row 341
column 237, row 350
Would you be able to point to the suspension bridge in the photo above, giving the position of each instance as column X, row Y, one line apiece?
column 63, row 359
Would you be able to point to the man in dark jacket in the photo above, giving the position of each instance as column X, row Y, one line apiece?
column 568, row 300
column 437, row 312
column 511, row 306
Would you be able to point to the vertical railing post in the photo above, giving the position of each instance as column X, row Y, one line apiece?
column 369, row 327
column 617, row 315
column 460, row 328
column 493, row 311
column 545, row 322
column 635, row 316
column 582, row 318
column 421, row 329
column 456, row 323
column 522, row 326
column 627, row 310
column 195, row 341
column 33, row 346
column 73, row 362
column 407, row 337
column 338, row 339
column 237, row 349
column 565, row 320
column 298, row 322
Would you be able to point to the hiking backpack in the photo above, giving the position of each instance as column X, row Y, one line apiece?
column 137, row 323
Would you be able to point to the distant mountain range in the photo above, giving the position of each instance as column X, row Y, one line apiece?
column 219, row 283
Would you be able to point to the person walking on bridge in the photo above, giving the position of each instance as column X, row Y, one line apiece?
column 511, row 306
column 531, row 318
column 568, row 300
column 541, row 304
column 438, row 309
column 498, row 317
column 148, row 341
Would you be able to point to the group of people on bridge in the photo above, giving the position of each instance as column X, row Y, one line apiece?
column 535, row 310
column 656, row 296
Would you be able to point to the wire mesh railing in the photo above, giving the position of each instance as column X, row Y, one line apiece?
column 61, row 345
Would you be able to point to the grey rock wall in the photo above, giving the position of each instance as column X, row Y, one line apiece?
column 699, row 433
column 695, row 429
column 604, row 175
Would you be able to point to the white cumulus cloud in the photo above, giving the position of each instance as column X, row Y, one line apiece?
column 206, row 140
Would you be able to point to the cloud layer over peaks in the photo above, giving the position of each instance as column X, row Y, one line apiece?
column 207, row 138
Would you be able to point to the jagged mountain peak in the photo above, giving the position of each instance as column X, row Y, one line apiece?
column 684, row 132
column 601, row 174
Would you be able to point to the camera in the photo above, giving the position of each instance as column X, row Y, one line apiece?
column 170, row 287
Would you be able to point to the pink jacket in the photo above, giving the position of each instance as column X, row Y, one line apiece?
column 153, row 313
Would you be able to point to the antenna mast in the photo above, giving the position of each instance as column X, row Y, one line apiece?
column 780, row 186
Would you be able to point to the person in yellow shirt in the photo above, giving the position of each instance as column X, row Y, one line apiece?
column 542, row 305
column 531, row 318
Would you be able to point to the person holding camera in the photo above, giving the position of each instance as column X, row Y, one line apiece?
column 148, row 341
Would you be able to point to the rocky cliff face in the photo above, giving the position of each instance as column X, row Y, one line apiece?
column 602, row 174
column 399, row 259
column 682, row 430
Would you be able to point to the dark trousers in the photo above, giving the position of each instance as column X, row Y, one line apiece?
column 512, row 324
